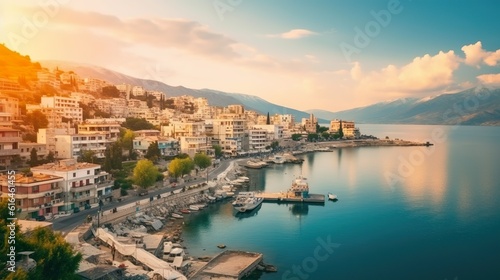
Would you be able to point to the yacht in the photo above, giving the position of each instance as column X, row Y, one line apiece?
column 279, row 159
column 332, row 196
column 247, row 201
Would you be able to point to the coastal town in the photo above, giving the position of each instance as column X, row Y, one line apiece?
column 113, row 168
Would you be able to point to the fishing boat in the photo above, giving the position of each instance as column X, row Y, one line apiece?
column 332, row 196
column 185, row 211
column 194, row 208
column 247, row 202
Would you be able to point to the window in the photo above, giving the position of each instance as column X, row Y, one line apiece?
column 74, row 175
column 35, row 189
column 88, row 172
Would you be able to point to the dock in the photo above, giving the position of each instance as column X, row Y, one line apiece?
column 229, row 265
column 290, row 197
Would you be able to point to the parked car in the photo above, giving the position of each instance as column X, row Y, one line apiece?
column 40, row 218
column 87, row 206
column 76, row 209
column 142, row 192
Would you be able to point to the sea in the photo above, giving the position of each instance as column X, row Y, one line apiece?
column 402, row 212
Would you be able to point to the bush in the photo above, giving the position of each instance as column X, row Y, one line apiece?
column 123, row 192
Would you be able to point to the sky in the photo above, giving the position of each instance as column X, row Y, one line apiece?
column 331, row 55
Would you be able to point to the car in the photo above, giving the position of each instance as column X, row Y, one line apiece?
column 87, row 206
column 40, row 218
column 143, row 192
column 76, row 209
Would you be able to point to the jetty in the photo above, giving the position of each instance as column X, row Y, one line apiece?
column 298, row 192
column 229, row 265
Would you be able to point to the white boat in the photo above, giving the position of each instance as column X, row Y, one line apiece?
column 331, row 196
column 244, row 179
column 211, row 198
column 194, row 208
column 177, row 216
column 168, row 246
column 174, row 253
column 279, row 159
column 229, row 194
column 247, row 202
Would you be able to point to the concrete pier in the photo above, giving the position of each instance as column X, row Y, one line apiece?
column 229, row 265
column 288, row 197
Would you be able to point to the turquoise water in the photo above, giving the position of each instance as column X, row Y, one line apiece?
column 402, row 213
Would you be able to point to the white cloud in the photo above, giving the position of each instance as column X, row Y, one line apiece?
column 293, row 34
column 422, row 74
column 489, row 79
column 475, row 55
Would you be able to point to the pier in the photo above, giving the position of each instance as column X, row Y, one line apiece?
column 290, row 197
column 229, row 265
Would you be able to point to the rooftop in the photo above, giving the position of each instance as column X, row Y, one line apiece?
column 66, row 165
column 23, row 179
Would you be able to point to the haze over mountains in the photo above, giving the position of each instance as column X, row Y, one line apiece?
column 476, row 106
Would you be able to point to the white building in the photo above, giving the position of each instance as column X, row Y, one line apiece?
column 275, row 132
column 67, row 107
column 83, row 183
column 195, row 144
column 348, row 128
column 178, row 128
column 71, row 146
column 26, row 147
column 138, row 91
column 110, row 127
column 258, row 139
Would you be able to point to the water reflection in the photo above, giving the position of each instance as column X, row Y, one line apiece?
column 244, row 215
column 299, row 209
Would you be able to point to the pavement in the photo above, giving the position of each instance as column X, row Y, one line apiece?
column 68, row 223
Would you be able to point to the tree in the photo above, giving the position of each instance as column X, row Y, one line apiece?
column 50, row 157
column 268, row 120
column 30, row 137
column 341, row 131
column 202, row 161
column 55, row 258
column 296, row 136
column 321, row 129
column 312, row 137
column 116, row 155
column 325, row 135
column 179, row 167
column 145, row 173
column 137, row 124
column 33, row 157
column 127, row 139
column 110, row 91
column 217, row 150
column 37, row 119
column 87, row 156
column 153, row 153
column 274, row 145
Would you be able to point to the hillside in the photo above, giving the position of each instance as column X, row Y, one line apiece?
column 475, row 106
column 214, row 97
column 17, row 67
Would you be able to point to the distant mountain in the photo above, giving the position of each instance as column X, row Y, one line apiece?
column 475, row 106
column 214, row 97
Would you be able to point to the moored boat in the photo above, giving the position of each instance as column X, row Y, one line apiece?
column 247, row 202
column 332, row 196
column 185, row 211
column 177, row 216
column 194, row 208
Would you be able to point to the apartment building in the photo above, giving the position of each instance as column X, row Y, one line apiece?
column 195, row 144
column 72, row 145
column 348, row 128
column 9, row 145
column 82, row 182
column 309, row 124
column 178, row 128
column 36, row 194
column 10, row 105
column 110, row 127
column 47, row 136
column 67, row 107
column 26, row 147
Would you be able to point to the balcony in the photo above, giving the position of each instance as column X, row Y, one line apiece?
column 12, row 152
column 82, row 188
column 80, row 198
column 10, row 139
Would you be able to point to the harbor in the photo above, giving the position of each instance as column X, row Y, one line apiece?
column 229, row 265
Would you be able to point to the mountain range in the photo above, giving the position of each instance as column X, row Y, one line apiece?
column 475, row 106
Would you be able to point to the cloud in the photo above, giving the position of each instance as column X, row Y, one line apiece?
column 422, row 74
column 489, row 79
column 293, row 34
column 475, row 55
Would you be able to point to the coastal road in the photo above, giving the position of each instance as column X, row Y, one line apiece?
column 68, row 223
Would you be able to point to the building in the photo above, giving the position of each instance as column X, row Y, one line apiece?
column 258, row 139
column 195, row 144
column 176, row 129
column 309, row 124
column 10, row 105
column 9, row 85
column 48, row 78
column 84, row 98
column 36, row 194
column 72, row 145
column 138, row 91
column 26, row 147
column 274, row 131
column 348, row 128
column 167, row 146
column 66, row 107
column 110, row 127
column 236, row 109
column 227, row 130
column 47, row 136
column 9, row 145
column 83, row 183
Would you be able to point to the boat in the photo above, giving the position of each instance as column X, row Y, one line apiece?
column 211, row 198
column 194, row 208
column 247, row 202
column 177, row 216
column 229, row 194
column 332, row 196
column 174, row 253
column 256, row 164
column 278, row 159
column 244, row 179
column 221, row 246
column 185, row 211
column 200, row 206
column 168, row 246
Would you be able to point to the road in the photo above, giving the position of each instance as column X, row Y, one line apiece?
column 68, row 223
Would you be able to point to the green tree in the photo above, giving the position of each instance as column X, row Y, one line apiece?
column 296, row 136
column 116, row 155
column 107, row 165
column 33, row 157
column 274, row 145
column 312, row 137
column 37, row 119
column 30, row 137
column 153, row 153
column 202, row 161
column 87, row 156
column 55, row 258
column 268, row 119
column 50, row 157
column 127, row 138
column 137, row 124
column 145, row 173
column 217, row 150
column 325, row 135
column 341, row 131
column 321, row 129
column 110, row 91
column 180, row 166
